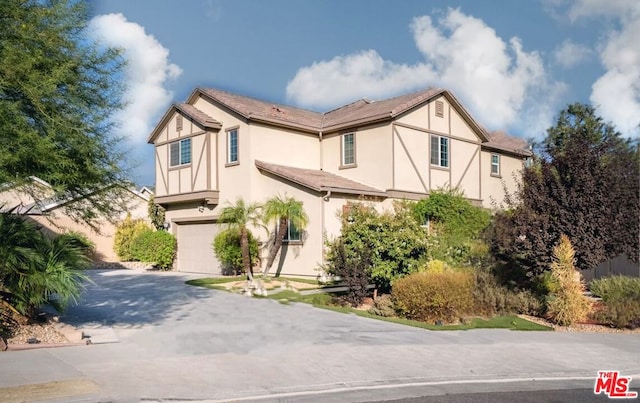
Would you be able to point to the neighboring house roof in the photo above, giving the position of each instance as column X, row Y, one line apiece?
column 501, row 141
column 190, row 111
column 356, row 113
column 318, row 180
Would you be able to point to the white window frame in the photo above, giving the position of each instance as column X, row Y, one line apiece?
column 230, row 133
column 343, row 153
column 495, row 164
column 440, row 161
column 180, row 144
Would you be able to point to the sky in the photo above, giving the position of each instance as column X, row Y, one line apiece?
column 513, row 64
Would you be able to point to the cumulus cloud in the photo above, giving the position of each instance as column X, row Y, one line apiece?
column 496, row 80
column 569, row 54
column 147, row 72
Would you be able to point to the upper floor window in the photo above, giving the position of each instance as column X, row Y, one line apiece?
column 293, row 233
column 440, row 151
column 232, row 146
column 495, row 164
column 180, row 152
column 348, row 149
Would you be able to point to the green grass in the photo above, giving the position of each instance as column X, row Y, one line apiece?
column 323, row 300
column 210, row 282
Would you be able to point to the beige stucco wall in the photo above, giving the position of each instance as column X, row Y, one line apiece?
column 492, row 186
column 411, row 160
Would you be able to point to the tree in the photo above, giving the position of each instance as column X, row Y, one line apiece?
column 156, row 214
column 239, row 217
column 58, row 91
column 284, row 211
column 584, row 182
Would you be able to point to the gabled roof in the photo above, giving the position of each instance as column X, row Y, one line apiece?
column 191, row 112
column 318, row 180
column 255, row 109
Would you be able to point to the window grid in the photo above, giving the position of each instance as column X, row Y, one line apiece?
column 180, row 153
column 232, row 141
column 440, row 151
column 495, row 164
column 348, row 149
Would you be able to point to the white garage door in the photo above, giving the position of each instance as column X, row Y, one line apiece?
column 195, row 250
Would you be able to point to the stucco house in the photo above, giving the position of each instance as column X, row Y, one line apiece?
column 50, row 214
column 220, row 146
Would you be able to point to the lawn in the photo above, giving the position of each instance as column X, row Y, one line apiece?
column 324, row 301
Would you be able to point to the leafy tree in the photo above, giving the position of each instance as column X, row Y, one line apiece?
column 584, row 182
column 239, row 216
column 126, row 233
column 393, row 243
column 455, row 225
column 283, row 210
column 156, row 214
column 58, row 92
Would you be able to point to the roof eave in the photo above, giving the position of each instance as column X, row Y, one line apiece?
column 355, row 191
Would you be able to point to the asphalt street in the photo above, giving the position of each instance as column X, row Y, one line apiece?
column 157, row 339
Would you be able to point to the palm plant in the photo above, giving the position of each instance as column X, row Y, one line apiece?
column 283, row 210
column 239, row 216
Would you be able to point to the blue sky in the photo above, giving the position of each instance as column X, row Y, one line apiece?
column 513, row 64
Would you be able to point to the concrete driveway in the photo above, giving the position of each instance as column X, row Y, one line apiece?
column 160, row 339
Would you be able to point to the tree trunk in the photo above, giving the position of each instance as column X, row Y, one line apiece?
column 246, row 257
column 277, row 244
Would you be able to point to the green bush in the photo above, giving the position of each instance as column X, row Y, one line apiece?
column 393, row 242
column 126, row 232
column 455, row 226
column 434, row 296
column 621, row 298
column 158, row 247
column 226, row 246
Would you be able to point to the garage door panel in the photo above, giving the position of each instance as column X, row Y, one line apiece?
column 195, row 251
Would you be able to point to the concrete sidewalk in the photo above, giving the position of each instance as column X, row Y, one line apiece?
column 180, row 342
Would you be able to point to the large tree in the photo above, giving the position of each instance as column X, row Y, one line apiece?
column 583, row 182
column 283, row 210
column 59, row 89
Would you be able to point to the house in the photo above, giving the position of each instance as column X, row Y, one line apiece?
column 220, row 146
column 39, row 205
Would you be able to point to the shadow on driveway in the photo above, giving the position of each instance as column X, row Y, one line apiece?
column 128, row 298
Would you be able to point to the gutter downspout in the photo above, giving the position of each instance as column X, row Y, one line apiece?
column 324, row 199
column 321, row 153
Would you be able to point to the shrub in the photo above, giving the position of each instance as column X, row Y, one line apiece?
column 435, row 266
column 491, row 298
column 434, row 296
column 226, row 246
column 621, row 298
column 393, row 242
column 353, row 269
column 568, row 304
column 158, row 247
column 126, row 232
column 383, row 306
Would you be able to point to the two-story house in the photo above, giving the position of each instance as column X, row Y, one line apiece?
column 219, row 146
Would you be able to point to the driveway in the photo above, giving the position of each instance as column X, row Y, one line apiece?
column 159, row 339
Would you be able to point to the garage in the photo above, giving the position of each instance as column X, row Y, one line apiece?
column 195, row 250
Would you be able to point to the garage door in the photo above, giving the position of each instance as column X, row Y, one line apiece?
column 195, row 251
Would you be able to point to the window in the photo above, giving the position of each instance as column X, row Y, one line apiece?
column 180, row 152
column 495, row 165
column 348, row 149
column 440, row 151
column 293, row 233
column 232, row 146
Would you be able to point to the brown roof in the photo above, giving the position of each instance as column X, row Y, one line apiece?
column 501, row 141
column 199, row 116
column 318, row 180
column 251, row 108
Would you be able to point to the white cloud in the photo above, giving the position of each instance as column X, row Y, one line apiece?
column 569, row 54
column 147, row 72
column 503, row 85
